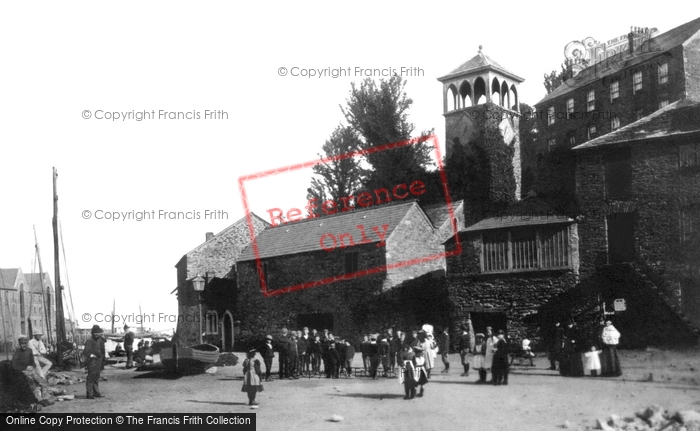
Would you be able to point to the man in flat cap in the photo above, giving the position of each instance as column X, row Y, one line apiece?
column 93, row 353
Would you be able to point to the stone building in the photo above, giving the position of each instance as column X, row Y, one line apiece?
column 213, row 260
column 623, row 83
column 640, row 189
column 329, row 272
column 510, row 265
column 27, row 306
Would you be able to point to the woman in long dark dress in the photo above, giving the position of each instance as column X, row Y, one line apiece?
column 609, row 361
column 572, row 363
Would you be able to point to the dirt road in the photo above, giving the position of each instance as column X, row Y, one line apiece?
column 535, row 399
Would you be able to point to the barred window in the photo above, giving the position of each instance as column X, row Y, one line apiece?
column 495, row 252
column 615, row 122
column 212, row 326
column 551, row 143
column 592, row 132
column 689, row 156
column 550, row 116
column 662, row 71
column 570, row 107
column 591, row 100
column 637, row 81
column 688, row 222
column 526, row 249
column 614, row 90
column 663, row 104
column 572, row 139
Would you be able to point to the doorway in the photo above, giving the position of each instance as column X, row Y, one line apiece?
column 620, row 237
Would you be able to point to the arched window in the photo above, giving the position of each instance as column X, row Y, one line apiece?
column 451, row 98
column 465, row 94
column 515, row 106
column 496, row 96
column 479, row 91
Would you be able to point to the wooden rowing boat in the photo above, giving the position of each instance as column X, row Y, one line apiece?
column 193, row 358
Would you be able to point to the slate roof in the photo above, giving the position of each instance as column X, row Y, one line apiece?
column 478, row 63
column 657, row 46
column 304, row 236
column 527, row 212
column 8, row 276
column 679, row 118
column 439, row 214
column 34, row 281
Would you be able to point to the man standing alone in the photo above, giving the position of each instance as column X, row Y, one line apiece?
column 129, row 347
column 94, row 352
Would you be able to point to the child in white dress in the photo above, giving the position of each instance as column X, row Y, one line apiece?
column 592, row 361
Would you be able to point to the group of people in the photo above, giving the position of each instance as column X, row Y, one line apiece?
column 578, row 356
column 412, row 356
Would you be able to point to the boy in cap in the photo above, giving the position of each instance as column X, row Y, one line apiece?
column 93, row 353
column 374, row 358
column 39, row 350
column 268, row 354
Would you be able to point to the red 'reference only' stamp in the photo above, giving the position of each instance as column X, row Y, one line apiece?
column 329, row 242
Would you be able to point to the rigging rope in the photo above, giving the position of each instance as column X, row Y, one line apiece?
column 71, row 312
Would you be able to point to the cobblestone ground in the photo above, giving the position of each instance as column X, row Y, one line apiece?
column 535, row 399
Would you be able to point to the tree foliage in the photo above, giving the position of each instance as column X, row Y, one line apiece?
column 378, row 112
column 340, row 176
column 554, row 79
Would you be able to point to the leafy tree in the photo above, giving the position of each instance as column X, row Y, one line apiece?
column 378, row 112
column 554, row 79
column 338, row 177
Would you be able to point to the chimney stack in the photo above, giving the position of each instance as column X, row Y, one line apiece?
column 630, row 43
column 209, row 235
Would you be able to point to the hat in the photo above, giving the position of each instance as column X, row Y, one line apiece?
column 252, row 352
column 373, row 336
column 126, row 327
column 38, row 333
column 479, row 335
column 96, row 330
column 23, row 340
column 268, row 337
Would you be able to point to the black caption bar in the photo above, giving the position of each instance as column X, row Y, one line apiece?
column 124, row 422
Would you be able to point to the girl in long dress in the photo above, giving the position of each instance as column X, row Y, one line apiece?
column 251, row 377
column 479, row 358
column 421, row 375
column 610, row 363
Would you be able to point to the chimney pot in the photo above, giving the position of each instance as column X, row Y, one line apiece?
column 209, row 235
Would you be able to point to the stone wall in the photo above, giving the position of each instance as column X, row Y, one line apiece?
column 660, row 190
column 515, row 294
column 216, row 257
column 413, row 239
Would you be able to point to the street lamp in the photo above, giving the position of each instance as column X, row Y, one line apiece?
column 198, row 283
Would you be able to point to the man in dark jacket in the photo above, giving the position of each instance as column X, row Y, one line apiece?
column 374, row 358
column 282, row 347
column 129, row 347
column 444, row 345
column 293, row 355
column 304, row 348
column 94, row 353
column 499, row 367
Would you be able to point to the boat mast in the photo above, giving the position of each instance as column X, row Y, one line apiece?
column 60, row 323
column 47, row 307
column 114, row 305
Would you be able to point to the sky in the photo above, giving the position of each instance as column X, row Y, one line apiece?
column 75, row 77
